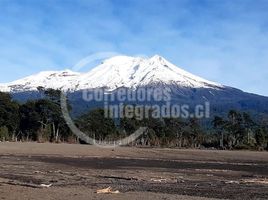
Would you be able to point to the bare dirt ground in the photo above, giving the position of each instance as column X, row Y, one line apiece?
column 78, row 171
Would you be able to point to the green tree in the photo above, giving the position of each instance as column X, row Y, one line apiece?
column 96, row 125
column 9, row 113
column 175, row 129
column 194, row 133
column 260, row 136
column 42, row 119
column 4, row 135
column 249, row 126
column 29, row 121
column 219, row 125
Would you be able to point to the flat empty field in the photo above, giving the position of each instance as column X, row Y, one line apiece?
column 78, row 171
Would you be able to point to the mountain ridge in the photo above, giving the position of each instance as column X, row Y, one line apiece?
column 136, row 72
column 112, row 73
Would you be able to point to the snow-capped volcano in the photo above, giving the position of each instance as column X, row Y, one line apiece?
column 118, row 71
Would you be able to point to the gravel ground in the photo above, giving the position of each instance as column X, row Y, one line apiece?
column 78, row 171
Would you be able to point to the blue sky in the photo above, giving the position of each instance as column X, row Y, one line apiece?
column 224, row 41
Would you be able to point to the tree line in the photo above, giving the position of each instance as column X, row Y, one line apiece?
column 36, row 120
column 42, row 120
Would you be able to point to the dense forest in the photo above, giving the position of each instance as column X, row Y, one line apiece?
column 41, row 120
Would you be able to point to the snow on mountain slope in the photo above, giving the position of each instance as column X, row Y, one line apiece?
column 119, row 71
column 126, row 71
column 47, row 79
